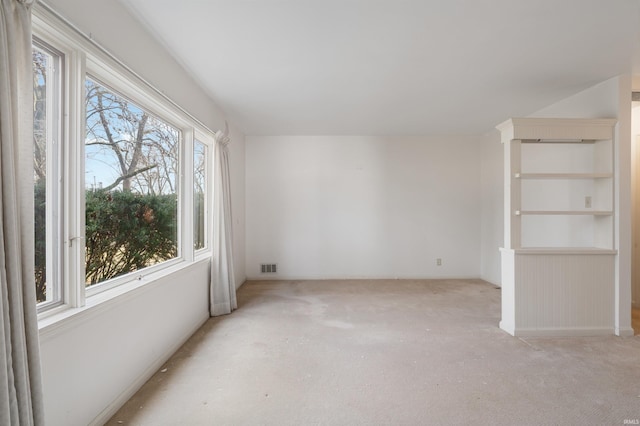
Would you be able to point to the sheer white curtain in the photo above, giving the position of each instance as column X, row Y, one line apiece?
column 223, row 289
column 20, row 381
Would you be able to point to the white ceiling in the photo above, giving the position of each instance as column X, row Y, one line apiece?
column 383, row 67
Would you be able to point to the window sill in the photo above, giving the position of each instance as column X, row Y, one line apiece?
column 63, row 317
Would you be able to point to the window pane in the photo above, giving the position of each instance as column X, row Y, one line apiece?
column 199, row 191
column 131, row 168
column 46, row 119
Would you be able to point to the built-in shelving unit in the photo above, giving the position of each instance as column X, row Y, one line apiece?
column 558, row 256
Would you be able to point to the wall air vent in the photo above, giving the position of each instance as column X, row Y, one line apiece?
column 268, row 268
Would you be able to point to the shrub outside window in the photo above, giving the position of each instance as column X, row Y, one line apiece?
column 131, row 204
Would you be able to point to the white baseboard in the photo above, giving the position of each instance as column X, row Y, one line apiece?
column 563, row 332
column 624, row 332
column 280, row 277
column 509, row 328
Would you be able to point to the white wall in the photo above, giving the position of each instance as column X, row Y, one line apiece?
column 635, row 134
column 92, row 366
column 635, row 192
column 492, row 229
column 599, row 101
column 363, row 207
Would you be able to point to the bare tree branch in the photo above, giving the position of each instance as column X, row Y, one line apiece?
column 128, row 176
column 107, row 130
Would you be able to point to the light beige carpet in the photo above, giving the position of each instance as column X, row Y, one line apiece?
column 385, row 353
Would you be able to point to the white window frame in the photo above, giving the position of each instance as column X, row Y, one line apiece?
column 83, row 58
column 71, row 98
column 55, row 128
column 209, row 142
column 118, row 82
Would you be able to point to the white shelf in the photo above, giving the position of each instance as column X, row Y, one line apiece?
column 564, row 250
column 563, row 175
column 558, row 141
column 559, row 181
column 564, row 212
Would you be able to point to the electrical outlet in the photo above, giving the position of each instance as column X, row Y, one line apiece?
column 439, row 262
column 587, row 202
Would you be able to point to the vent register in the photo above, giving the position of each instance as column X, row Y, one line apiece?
column 268, row 268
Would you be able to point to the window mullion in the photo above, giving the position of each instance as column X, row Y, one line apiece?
column 51, row 184
column 208, row 214
column 202, row 171
column 74, row 182
column 187, row 195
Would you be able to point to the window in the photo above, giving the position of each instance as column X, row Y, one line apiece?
column 118, row 175
column 47, row 128
column 199, row 195
column 131, row 205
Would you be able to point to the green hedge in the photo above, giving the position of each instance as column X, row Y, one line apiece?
column 125, row 232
